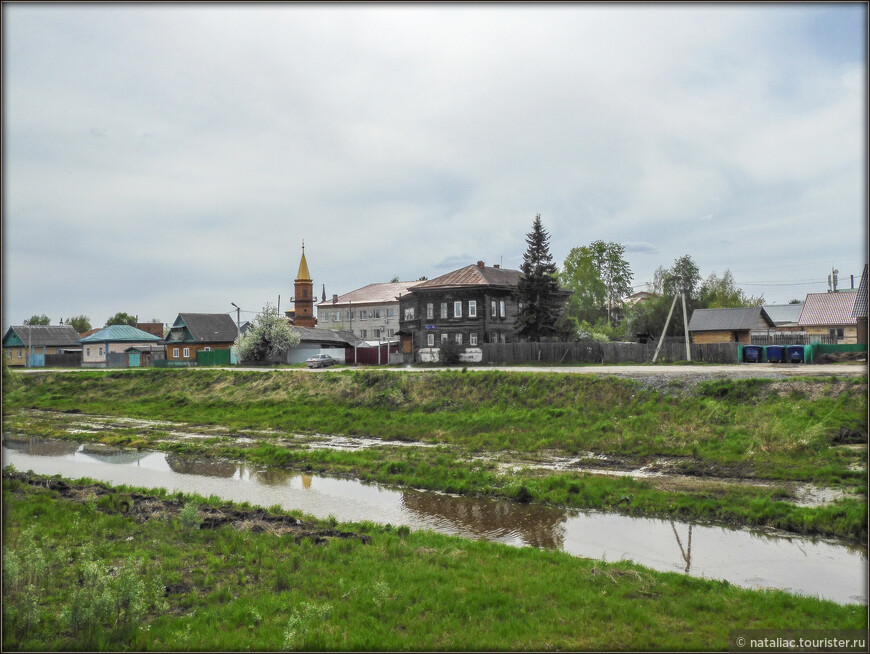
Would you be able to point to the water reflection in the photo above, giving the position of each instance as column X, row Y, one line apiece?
column 187, row 464
column 40, row 446
column 502, row 520
column 744, row 558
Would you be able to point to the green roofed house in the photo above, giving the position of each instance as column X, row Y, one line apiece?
column 195, row 332
column 37, row 341
column 116, row 346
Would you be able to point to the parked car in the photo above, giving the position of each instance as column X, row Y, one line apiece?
column 320, row 361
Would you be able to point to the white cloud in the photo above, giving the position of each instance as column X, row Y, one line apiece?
column 203, row 143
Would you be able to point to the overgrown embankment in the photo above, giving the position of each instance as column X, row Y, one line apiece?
column 796, row 430
column 93, row 568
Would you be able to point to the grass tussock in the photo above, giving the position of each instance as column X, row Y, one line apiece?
column 79, row 575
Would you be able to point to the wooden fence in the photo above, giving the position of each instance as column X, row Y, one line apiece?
column 591, row 352
column 793, row 338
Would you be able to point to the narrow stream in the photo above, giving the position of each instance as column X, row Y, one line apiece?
column 745, row 558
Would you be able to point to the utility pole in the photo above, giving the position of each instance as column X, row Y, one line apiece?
column 686, row 328
column 239, row 333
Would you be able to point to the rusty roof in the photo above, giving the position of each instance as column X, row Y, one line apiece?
column 474, row 275
column 822, row 309
column 372, row 294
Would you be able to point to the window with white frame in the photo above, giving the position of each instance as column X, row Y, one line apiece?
column 206, row 349
column 20, row 352
column 377, row 313
column 362, row 333
column 501, row 308
column 186, row 354
column 472, row 308
column 457, row 309
column 444, row 310
column 430, row 339
column 459, row 339
column 493, row 309
column 362, row 314
column 503, row 337
column 101, row 351
column 390, row 313
column 472, row 339
column 376, row 333
column 8, row 354
column 174, row 353
column 87, row 348
column 391, row 332
column 444, row 338
column 493, row 338
column 409, row 313
column 430, row 311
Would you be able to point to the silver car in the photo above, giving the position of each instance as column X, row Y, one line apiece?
column 320, row 361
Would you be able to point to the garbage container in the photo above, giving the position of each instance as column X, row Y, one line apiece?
column 795, row 353
column 776, row 354
column 751, row 353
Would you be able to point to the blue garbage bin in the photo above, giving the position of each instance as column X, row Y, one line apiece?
column 795, row 353
column 775, row 353
column 751, row 353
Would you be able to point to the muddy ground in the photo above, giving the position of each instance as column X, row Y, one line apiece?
column 153, row 507
column 665, row 473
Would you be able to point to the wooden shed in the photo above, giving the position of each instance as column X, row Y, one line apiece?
column 728, row 325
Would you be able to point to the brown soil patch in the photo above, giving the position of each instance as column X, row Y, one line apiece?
column 142, row 508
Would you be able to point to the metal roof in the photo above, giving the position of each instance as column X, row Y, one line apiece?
column 121, row 334
column 823, row 309
column 473, row 275
column 860, row 310
column 784, row 314
column 318, row 335
column 203, row 328
column 736, row 319
column 43, row 335
column 372, row 294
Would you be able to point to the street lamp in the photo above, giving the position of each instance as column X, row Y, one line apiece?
column 239, row 333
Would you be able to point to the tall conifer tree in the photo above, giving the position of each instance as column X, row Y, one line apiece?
column 538, row 287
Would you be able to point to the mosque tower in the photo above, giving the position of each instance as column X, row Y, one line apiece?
column 303, row 298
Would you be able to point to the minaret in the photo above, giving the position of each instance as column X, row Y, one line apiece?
column 304, row 296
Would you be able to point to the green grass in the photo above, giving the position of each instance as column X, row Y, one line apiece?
column 224, row 589
column 786, row 431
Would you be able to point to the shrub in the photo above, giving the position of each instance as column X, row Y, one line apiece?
column 449, row 352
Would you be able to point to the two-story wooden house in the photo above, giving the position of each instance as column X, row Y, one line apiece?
column 473, row 305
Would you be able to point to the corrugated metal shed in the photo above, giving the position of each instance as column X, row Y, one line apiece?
column 42, row 336
column 737, row 319
column 860, row 309
column 824, row 309
column 121, row 334
column 338, row 337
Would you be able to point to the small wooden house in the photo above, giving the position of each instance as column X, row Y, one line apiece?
column 38, row 340
column 728, row 325
column 110, row 346
column 194, row 332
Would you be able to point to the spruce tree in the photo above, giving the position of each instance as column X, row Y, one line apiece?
column 538, row 288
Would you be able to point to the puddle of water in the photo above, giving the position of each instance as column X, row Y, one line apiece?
column 745, row 558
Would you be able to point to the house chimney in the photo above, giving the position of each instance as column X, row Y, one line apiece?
column 334, row 298
column 480, row 264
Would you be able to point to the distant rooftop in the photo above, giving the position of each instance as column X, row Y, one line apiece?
column 372, row 294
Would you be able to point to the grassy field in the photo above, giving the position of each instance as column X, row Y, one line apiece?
column 89, row 567
column 787, row 431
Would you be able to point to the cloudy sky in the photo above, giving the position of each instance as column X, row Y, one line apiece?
column 160, row 159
